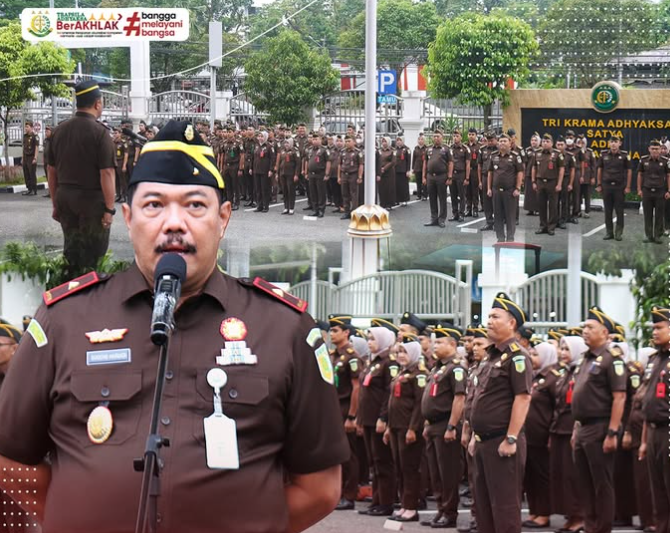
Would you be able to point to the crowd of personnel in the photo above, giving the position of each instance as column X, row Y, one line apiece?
column 481, row 173
column 575, row 422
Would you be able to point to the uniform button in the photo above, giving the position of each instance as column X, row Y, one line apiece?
column 104, row 392
column 159, row 518
column 169, row 375
column 233, row 393
column 165, row 420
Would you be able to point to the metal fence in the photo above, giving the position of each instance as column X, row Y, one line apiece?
column 449, row 114
column 429, row 295
column 180, row 105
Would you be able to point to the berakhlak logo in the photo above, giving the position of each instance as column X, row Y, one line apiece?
column 40, row 25
column 133, row 26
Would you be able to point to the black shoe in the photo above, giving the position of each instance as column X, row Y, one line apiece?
column 284, row 212
column 461, row 219
column 47, row 195
column 236, row 207
column 475, row 213
column 308, row 208
column 444, row 522
column 249, row 204
column 381, row 510
column 366, row 510
column 345, row 505
column 259, row 209
column 253, row 204
column 618, row 237
column 346, row 216
column 453, row 219
column 265, row 210
column 440, row 223
column 561, row 225
column 414, row 518
column 432, row 223
column 486, row 228
column 432, row 520
column 608, row 237
column 646, row 241
column 541, row 231
column 531, row 524
column 573, row 221
column 26, row 193
column 468, row 213
column 320, row 214
column 551, row 232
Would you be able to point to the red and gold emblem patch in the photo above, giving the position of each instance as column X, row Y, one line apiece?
column 233, row 329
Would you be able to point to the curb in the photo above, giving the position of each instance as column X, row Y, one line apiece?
column 16, row 189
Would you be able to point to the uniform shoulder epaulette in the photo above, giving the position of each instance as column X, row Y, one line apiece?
column 644, row 157
column 556, row 372
column 616, row 351
column 392, row 357
column 350, row 350
column 514, row 347
column 276, row 292
column 56, row 294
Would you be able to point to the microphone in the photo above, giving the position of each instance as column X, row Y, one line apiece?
column 134, row 136
column 168, row 278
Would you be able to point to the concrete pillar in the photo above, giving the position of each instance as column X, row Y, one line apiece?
column 511, row 274
column 140, row 86
column 223, row 105
column 616, row 298
column 412, row 123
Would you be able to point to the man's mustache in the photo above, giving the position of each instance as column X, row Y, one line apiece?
column 175, row 241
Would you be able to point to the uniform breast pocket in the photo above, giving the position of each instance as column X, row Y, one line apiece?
column 244, row 398
column 118, row 391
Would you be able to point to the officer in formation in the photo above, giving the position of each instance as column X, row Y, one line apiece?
column 262, row 390
column 653, row 186
column 516, row 415
column 31, row 144
column 613, row 181
column 438, row 169
column 121, row 168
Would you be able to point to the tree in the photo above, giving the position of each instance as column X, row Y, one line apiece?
column 21, row 58
column 288, row 76
column 585, row 37
column 404, row 30
column 475, row 55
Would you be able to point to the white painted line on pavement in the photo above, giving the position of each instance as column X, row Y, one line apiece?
column 471, row 222
column 599, row 228
column 275, row 205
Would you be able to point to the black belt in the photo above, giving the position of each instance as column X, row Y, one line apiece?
column 483, row 437
column 440, row 418
column 657, row 425
column 594, row 420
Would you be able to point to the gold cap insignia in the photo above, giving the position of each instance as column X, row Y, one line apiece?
column 189, row 134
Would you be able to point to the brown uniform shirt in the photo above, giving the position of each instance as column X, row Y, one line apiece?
column 249, row 150
column 375, row 382
column 654, row 173
column 405, row 399
column 335, row 158
column 31, row 143
column 80, row 148
column 289, row 162
column 547, row 164
column 120, row 149
column 317, row 159
column 563, row 422
column 263, row 159
column 347, row 366
column 505, row 168
column 504, row 374
column 589, row 165
column 657, row 398
column 598, row 375
column 350, row 160
column 446, row 381
column 615, row 168
column 542, row 405
column 437, row 161
column 473, row 381
column 460, row 154
column 385, row 161
column 418, row 157
column 402, row 160
column 578, row 160
column 484, row 156
column 474, row 156
column 530, row 160
column 286, row 413
column 232, row 154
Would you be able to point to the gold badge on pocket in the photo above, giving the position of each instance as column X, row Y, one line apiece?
column 100, row 425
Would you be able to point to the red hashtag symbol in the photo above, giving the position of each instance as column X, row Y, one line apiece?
column 133, row 25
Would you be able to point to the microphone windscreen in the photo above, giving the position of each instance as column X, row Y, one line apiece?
column 171, row 264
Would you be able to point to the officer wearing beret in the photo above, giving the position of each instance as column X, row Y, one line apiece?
column 547, row 177
column 81, row 180
column 485, row 153
column 410, row 323
column 438, row 169
column 461, row 177
column 499, row 409
column 653, row 184
column 472, row 192
column 84, row 377
column 613, row 182
column 347, row 366
column 442, row 408
column 530, row 200
column 655, row 437
column 598, row 402
column 579, row 158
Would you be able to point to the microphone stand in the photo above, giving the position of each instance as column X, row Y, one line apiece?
column 149, row 465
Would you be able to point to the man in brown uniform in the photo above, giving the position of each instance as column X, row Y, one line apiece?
column 442, row 407
column 232, row 155
column 350, row 175
column 418, row 157
column 301, row 141
column 505, row 175
column 317, row 170
column 472, row 190
column 613, row 182
column 484, row 156
column 656, row 407
column 81, row 180
column 288, row 170
column 499, row 409
column 249, row 144
column 347, row 366
column 547, row 177
column 530, row 201
column 461, row 177
column 90, row 405
column 438, row 169
column 333, row 185
column 578, row 155
column 121, row 161
column 31, row 145
column 653, row 184
column 570, row 164
column 263, row 169
column 587, row 178
column 598, row 399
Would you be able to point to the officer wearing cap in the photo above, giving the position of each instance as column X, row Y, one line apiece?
column 653, row 184
column 461, row 177
column 317, row 170
column 418, row 157
column 613, row 182
column 499, row 409
column 530, row 200
column 438, row 169
column 564, row 206
column 89, row 405
column 573, row 149
column 31, row 145
column 472, row 192
column 511, row 133
column 588, row 178
column 655, row 435
column 410, row 323
column 82, row 181
column 442, row 408
column 232, row 158
column 547, row 177
column 347, row 366
column 485, row 153
column 505, row 175
column 598, row 402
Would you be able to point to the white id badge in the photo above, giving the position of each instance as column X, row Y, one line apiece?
column 221, row 443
